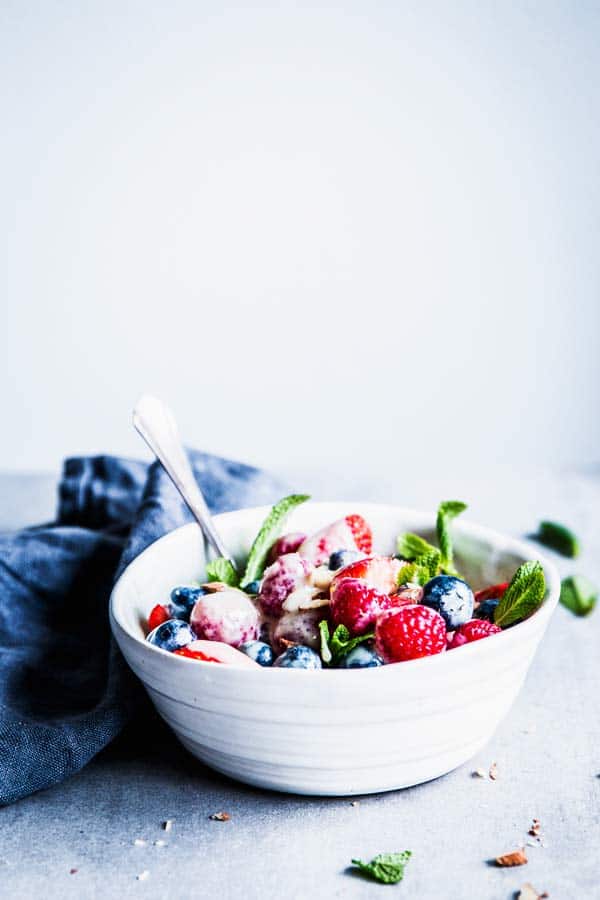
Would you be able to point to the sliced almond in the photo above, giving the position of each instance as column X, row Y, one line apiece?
column 494, row 771
column 528, row 892
column 516, row 858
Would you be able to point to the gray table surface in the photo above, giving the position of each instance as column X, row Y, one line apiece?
column 296, row 847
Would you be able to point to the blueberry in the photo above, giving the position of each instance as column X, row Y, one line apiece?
column 172, row 635
column 183, row 600
column 299, row 657
column 259, row 652
column 451, row 597
column 341, row 558
column 253, row 587
column 486, row 610
column 362, row 657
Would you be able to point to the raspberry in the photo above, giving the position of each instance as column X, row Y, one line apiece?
column 475, row 630
column 288, row 573
column 409, row 633
column 356, row 605
column 158, row 615
column 363, row 535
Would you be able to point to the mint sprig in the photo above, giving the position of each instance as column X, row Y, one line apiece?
column 411, row 546
column 422, row 570
column 558, row 537
column 221, row 569
column 387, row 868
column 338, row 644
column 578, row 594
column 447, row 511
column 269, row 532
column 523, row 596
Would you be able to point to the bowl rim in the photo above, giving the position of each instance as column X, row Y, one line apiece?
column 522, row 630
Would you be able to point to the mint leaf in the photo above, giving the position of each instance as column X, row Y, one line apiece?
column 447, row 511
column 523, row 596
column 410, row 546
column 326, row 654
column 269, row 532
column 338, row 644
column 558, row 537
column 413, row 573
column 422, row 569
column 220, row 569
column 387, row 868
column 578, row 594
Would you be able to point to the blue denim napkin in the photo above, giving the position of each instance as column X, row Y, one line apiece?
column 65, row 691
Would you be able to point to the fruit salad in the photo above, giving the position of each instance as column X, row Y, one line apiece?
column 328, row 600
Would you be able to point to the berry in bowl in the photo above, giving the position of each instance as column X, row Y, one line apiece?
column 410, row 637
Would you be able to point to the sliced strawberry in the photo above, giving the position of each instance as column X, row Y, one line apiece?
column 361, row 530
column 495, row 592
column 379, row 572
column 158, row 615
column 349, row 533
column 196, row 654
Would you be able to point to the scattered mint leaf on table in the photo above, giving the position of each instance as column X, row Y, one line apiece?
column 558, row 537
column 338, row 644
column 411, row 546
column 220, row 569
column 523, row 596
column 447, row 511
column 268, row 534
column 578, row 594
column 387, row 868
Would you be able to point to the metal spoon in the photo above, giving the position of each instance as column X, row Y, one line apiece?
column 156, row 424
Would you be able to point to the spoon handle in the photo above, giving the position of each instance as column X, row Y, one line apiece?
column 156, row 424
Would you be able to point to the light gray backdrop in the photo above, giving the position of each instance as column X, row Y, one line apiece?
column 367, row 232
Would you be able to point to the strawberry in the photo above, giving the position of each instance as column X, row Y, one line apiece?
column 287, row 543
column 356, row 604
column 158, row 615
column 349, row 533
column 363, row 536
column 196, row 654
column 379, row 572
column 215, row 651
column 410, row 632
column 495, row 592
column 475, row 630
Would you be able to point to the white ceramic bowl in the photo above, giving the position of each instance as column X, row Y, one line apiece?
column 332, row 732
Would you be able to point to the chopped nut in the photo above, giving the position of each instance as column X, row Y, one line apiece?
column 143, row 876
column 139, row 842
column 478, row 773
column 220, row 817
column 494, row 771
column 160, row 843
column 167, row 824
column 536, row 828
column 516, row 858
column 528, row 892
